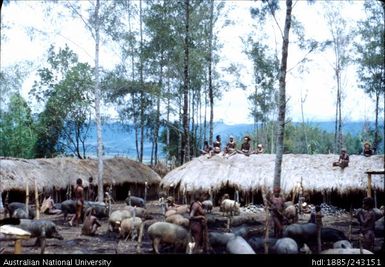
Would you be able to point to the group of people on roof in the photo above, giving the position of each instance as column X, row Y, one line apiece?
column 230, row 148
column 343, row 160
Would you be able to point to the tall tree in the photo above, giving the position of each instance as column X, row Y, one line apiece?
column 282, row 96
column 340, row 40
column 17, row 129
column 370, row 58
column 185, row 152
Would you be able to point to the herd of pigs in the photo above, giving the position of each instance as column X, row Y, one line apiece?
column 230, row 229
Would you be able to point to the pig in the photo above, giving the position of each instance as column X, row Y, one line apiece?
column 258, row 243
column 41, row 229
column 230, row 206
column 301, row 233
column 135, row 201
column 18, row 205
column 100, row 208
column 332, row 235
column 238, row 245
column 345, row 251
column 379, row 228
column 68, row 206
column 285, row 245
column 139, row 212
column 116, row 218
column 127, row 226
column 207, row 205
column 342, row 244
column 291, row 214
column 164, row 232
column 178, row 220
column 20, row 214
column 170, row 213
column 220, row 239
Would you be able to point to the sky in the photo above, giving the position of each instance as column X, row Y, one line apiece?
column 317, row 83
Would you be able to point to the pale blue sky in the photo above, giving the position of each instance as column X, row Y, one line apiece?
column 318, row 83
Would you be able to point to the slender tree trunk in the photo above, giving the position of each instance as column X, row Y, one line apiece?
column 133, row 96
column 158, row 110
column 336, row 127
column 282, row 97
column 210, row 59
column 375, row 141
column 141, row 84
column 303, row 124
column 168, row 115
column 185, row 153
column 97, row 104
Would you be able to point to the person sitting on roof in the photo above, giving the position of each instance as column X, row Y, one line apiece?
column 343, row 161
column 245, row 148
column 217, row 145
column 207, row 149
column 260, row 149
column 367, row 151
column 230, row 147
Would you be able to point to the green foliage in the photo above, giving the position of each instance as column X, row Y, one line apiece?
column 66, row 86
column 17, row 130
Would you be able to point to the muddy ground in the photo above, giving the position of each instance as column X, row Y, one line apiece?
column 108, row 243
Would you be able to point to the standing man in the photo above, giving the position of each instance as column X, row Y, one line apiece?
column 367, row 219
column 79, row 204
column 343, row 161
column 198, row 224
column 277, row 207
column 91, row 189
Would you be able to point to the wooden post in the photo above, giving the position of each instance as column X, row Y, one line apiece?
column 17, row 246
column 37, row 201
column 266, row 241
column 318, row 219
column 369, row 185
column 26, row 198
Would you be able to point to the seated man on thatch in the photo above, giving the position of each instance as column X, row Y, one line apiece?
column 230, row 147
column 245, row 148
column 217, row 145
column 367, row 151
column 207, row 149
column 259, row 150
column 343, row 161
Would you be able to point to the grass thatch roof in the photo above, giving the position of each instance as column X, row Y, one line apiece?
column 257, row 171
column 60, row 172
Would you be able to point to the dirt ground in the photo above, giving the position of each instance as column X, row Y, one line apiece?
column 108, row 243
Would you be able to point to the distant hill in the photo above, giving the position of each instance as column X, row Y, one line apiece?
column 120, row 140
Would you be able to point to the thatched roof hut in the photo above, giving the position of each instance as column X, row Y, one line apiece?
column 257, row 171
column 61, row 172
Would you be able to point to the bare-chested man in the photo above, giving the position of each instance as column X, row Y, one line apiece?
column 277, row 207
column 91, row 223
column 343, row 161
column 217, row 145
column 198, row 224
column 367, row 219
column 79, row 198
column 230, row 147
column 245, row 148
